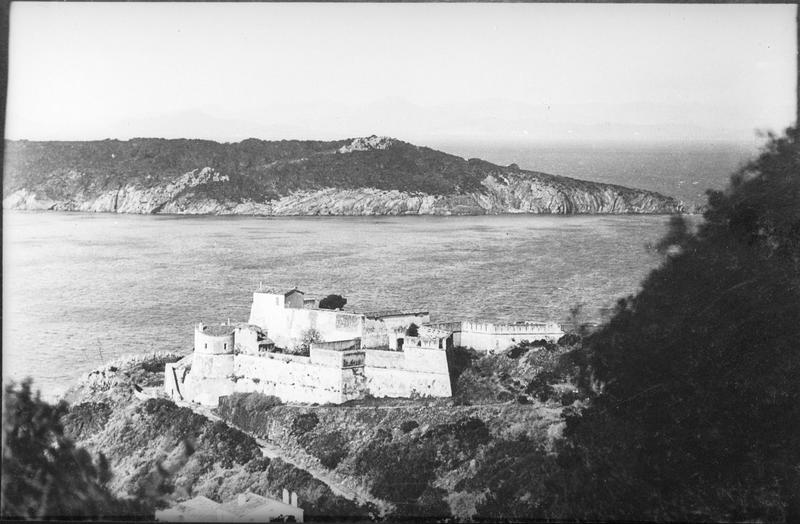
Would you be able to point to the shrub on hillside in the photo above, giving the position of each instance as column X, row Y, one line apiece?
column 459, row 359
column 257, row 465
column 44, row 475
column 469, row 431
column 569, row 339
column 399, row 471
column 515, row 478
column 254, row 402
column 230, row 445
column 304, row 423
column 697, row 402
column 167, row 418
column 156, row 363
column 408, row 425
column 431, row 504
column 85, row 419
column 329, row 447
column 249, row 411
column 317, row 499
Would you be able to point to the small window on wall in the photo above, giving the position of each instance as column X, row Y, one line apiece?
column 225, row 345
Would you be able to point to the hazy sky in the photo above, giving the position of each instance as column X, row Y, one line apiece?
column 414, row 71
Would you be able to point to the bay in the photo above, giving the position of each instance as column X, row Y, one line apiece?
column 81, row 289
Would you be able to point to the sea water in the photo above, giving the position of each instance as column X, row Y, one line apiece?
column 677, row 169
column 81, row 289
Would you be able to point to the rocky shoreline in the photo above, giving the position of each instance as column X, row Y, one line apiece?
column 520, row 198
column 369, row 177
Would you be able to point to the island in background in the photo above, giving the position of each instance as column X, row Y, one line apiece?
column 362, row 176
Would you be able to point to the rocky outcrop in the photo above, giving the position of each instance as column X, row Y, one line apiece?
column 515, row 195
column 367, row 144
column 353, row 179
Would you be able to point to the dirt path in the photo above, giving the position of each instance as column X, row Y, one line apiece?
column 272, row 451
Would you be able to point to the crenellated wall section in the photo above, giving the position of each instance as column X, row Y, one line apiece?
column 487, row 336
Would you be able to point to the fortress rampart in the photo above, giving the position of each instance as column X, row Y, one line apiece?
column 488, row 336
column 350, row 355
column 334, row 371
column 326, row 376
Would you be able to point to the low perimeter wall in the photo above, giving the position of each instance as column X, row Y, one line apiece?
column 485, row 336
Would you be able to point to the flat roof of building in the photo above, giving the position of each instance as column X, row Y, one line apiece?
column 218, row 330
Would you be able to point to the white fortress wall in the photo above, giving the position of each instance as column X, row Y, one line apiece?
column 403, row 374
column 328, row 376
column 290, row 379
column 209, row 379
column 376, row 335
column 485, row 336
column 378, row 358
column 246, row 340
column 326, row 357
column 426, row 360
column 212, row 366
column 286, row 326
column 384, row 382
column 353, row 383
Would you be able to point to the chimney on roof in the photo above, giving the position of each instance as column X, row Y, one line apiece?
column 294, row 499
column 241, row 498
column 285, row 497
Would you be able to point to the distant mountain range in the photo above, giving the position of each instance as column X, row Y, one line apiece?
column 362, row 176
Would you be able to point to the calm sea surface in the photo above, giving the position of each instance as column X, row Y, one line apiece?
column 681, row 170
column 80, row 289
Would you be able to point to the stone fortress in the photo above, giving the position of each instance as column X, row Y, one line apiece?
column 349, row 355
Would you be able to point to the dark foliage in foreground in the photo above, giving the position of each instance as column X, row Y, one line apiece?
column 44, row 474
column 697, row 411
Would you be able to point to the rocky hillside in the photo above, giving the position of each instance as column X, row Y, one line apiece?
column 483, row 454
column 363, row 176
column 158, row 449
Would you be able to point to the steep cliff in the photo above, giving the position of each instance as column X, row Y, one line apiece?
column 364, row 176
